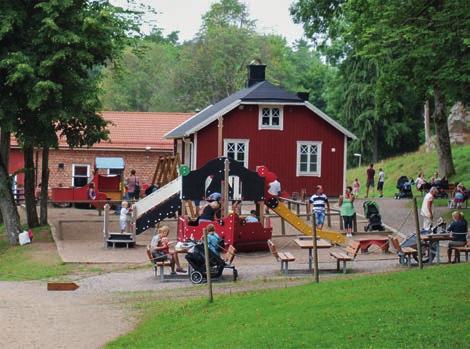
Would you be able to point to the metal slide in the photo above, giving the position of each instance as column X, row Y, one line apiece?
column 305, row 228
column 160, row 204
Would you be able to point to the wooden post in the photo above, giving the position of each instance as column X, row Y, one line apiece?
column 298, row 208
column 355, row 223
column 260, row 212
column 328, row 219
column 208, row 268
column 308, row 209
column 225, row 188
column 418, row 235
column 315, row 249
column 283, row 226
column 220, row 137
column 106, row 225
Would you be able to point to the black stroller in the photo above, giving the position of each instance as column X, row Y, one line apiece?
column 441, row 185
column 404, row 185
column 371, row 211
column 429, row 249
column 197, row 265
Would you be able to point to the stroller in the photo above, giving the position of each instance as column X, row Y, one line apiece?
column 371, row 211
column 429, row 251
column 197, row 264
column 442, row 185
column 404, row 186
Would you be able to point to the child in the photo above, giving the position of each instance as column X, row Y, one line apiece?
column 356, row 187
column 123, row 216
column 160, row 246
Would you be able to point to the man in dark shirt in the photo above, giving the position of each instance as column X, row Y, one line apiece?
column 370, row 179
column 458, row 229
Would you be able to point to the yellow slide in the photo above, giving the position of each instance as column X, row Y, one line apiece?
column 305, row 228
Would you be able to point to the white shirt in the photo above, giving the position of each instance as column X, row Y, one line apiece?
column 155, row 241
column 274, row 188
column 123, row 215
column 381, row 176
column 251, row 219
column 424, row 208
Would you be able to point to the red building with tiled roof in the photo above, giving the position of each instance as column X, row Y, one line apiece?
column 136, row 137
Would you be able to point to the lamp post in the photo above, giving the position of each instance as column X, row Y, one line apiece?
column 358, row 156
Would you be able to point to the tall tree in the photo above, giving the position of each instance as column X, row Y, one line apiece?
column 49, row 51
column 424, row 44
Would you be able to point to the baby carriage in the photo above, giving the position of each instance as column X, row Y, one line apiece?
column 197, row 264
column 429, row 251
column 371, row 211
column 404, row 186
column 441, row 185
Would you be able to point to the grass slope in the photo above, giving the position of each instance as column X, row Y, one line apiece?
column 415, row 309
column 410, row 165
column 38, row 260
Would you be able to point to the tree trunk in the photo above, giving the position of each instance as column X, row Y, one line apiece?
column 375, row 146
column 29, row 187
column 7, row 202
column 44, row 186
column 444, row 150
column 427, row 127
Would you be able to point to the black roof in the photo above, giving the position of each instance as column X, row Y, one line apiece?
column 262, row 91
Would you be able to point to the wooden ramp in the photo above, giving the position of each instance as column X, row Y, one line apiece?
column 302, row 226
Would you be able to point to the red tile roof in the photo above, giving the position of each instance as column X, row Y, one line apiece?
column 137, row 130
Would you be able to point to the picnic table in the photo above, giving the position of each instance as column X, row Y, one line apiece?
column 307, row 243
column 430, row 238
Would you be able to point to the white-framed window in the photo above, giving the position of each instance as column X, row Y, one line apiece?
column 237, row 149
column 270, row 117
column 308, row 158
column 80, row 175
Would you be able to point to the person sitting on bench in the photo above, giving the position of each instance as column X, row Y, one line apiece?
column 458, row 230
column 160, row 247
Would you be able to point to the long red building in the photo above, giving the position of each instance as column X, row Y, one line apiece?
column 264, row 124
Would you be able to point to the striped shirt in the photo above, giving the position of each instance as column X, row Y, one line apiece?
column 319, row 202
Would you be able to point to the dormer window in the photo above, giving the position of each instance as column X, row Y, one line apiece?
column 270, row 117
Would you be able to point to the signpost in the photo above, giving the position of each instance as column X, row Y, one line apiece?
column 208, row 267
column 315, row 249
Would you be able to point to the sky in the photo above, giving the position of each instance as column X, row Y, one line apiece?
column 272, row 16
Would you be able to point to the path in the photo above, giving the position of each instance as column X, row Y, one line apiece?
column 32, row 317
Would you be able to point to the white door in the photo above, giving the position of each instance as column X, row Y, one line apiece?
column 237, row 149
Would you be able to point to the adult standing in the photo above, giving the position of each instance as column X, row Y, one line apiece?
column 133, row 186
column 370, row 179
column 319, row 203
column 346, row 203
column 380, row 182
column 426, row 208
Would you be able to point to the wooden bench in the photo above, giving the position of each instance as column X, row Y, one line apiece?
column 158, row 267
column 465, row 249
column 404, row 253
column 283, row 257
column 346, row 255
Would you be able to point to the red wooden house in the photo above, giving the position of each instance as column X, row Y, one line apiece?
column 264, row 124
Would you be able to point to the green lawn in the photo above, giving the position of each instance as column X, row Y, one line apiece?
column 410, row 165
column 427, row 308
column 38, row 260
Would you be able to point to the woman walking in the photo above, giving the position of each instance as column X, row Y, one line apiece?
column 346, row 203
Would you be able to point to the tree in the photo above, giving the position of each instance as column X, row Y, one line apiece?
column 49, row 52
column 421, row 44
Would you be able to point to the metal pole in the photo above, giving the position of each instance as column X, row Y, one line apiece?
column 315, row 249
column 208, row 268
column 418, row 235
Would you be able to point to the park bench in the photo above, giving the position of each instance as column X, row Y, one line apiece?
column 283, row 257
column 346, row 255
column 158, row 267
column 465, row 249
column 404, row 253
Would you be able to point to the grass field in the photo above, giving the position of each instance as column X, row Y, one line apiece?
column 410, row 165
column 427, row 308
column 38, row 260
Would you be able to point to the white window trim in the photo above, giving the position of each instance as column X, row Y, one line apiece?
column 87, row 172
column 235, row 140
column 280, row 127
column 319, row 158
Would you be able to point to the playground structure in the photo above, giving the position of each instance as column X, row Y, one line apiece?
column 106, row 186
column 235, row 183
